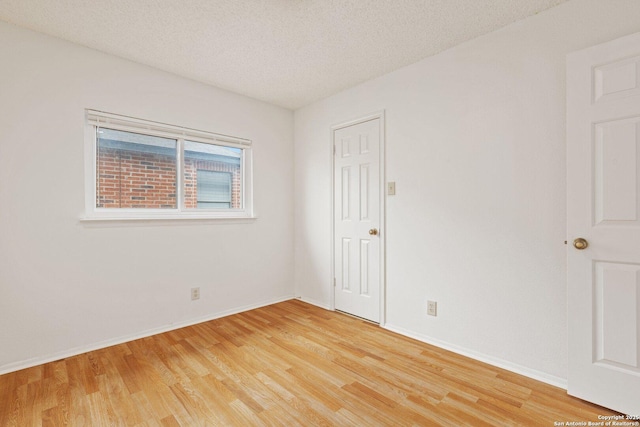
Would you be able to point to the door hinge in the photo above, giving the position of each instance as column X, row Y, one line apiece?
column 334, row 282
column 334, row 149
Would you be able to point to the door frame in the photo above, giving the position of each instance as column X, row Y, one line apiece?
column 382, row 226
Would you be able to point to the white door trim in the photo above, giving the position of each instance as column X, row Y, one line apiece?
column 383, row 225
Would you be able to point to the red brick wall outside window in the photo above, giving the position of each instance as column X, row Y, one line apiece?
column 136, row 179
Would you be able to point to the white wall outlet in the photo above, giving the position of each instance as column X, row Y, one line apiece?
column 391, row 188
column 432, row 308
column 195, row 293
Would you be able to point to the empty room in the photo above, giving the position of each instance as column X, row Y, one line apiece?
column 311, row 212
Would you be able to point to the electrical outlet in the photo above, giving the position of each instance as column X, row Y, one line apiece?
column 195, row 293
column 432, row 308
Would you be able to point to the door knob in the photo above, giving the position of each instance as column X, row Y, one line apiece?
column 373, row 231
column 580, row 243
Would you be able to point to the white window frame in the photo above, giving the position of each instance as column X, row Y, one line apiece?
column 95, row 119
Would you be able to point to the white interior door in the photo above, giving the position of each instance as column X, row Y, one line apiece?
column 603, row 190
column 357, row 219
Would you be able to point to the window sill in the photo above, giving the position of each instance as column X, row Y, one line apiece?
column 167, row 218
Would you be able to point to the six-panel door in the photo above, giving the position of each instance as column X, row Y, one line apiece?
column 357, row 219
column 603, row 191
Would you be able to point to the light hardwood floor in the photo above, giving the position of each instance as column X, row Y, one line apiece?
column 286, row 364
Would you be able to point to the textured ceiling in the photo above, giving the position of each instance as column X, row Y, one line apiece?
column 286, row 52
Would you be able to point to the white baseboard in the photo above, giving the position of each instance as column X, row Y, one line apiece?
column 16, row 366
column 314, row 302
column 527, row 372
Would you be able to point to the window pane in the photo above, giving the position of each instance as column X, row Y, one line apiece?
column 212, row 176
column 135, row 170
column 214, row 189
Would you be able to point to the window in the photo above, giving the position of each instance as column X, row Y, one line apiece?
column 214, row 189
column 135, row 170
column 144, row 170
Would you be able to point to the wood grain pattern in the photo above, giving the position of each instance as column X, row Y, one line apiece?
column 286, row 364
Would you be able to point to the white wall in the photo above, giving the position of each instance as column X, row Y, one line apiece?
column 66, row 286
column 476, row 145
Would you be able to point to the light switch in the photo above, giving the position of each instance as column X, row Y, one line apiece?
column 391, row 188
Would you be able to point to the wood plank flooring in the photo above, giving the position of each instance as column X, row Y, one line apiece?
column 283, row 365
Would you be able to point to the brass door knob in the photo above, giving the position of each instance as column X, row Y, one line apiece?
column 373, row 231
column 580, row 243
